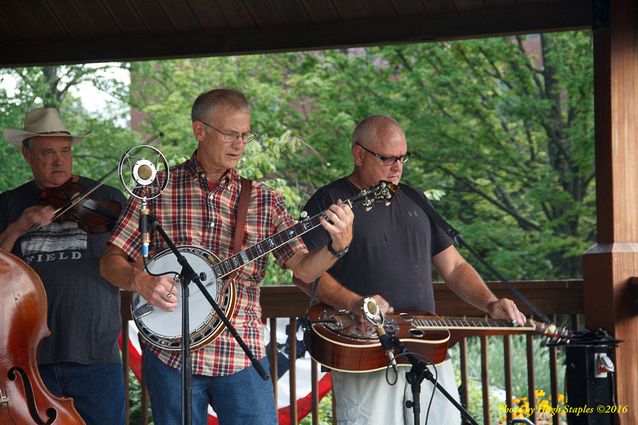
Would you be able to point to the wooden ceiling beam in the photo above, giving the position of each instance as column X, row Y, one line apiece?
column 361, row 33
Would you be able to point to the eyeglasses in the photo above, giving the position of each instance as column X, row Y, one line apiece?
column 388, row 160
column 231, row 136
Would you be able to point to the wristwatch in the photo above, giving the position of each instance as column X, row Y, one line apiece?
column 336, row 253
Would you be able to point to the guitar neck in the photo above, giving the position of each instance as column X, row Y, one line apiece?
column 250, row 254
column 462, row 326
column 480, row 326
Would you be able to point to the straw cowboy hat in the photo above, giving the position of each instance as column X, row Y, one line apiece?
column 41, row 122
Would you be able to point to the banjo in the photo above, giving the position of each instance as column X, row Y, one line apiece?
column 162, row 329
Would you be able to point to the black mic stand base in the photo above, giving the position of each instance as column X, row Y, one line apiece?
column 415, row 376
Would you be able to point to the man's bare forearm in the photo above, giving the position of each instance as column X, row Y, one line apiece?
column 117, row 269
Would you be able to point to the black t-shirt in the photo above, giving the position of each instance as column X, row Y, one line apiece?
column 391, row 249
column 83, row 308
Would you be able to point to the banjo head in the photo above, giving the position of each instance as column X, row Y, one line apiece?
column 163, row 329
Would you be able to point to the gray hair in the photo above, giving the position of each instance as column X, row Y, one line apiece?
column 207, row 101
column 368, row 127
column 28, row 143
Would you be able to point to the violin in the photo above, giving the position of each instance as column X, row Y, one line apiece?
column 24, row 399
column 72, row 203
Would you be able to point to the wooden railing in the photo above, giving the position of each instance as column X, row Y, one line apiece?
column 553, row 298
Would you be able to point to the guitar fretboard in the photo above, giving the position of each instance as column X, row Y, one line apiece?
column 459, row 322
column 384, row 191
column 229, row 265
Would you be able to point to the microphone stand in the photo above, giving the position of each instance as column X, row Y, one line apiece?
column 417, row 373
column 186, row 276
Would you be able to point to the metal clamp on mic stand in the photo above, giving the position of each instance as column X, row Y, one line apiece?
column 139, row 175
column 419, row 370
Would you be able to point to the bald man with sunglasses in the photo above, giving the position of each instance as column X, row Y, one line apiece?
column 391, row 258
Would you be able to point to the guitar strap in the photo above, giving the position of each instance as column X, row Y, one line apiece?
column 242, row 210
column 456, row 236
column 240, row 224
column 431, row 212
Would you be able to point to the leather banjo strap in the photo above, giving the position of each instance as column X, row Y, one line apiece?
column 242, row 210
column 240, row 225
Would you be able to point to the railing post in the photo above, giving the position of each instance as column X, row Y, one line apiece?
column 507, row 364
column 292, row 356
column 465, row 392
column 274, row 358
column 125, row 301
column 531, row 376
column 485, row 380
column 314, row 378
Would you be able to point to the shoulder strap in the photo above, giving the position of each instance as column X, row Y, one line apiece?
column 434, row 216
column 242, row 210
column 240, row 225
column 417, row 198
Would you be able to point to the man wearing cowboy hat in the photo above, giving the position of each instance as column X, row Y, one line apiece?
column 81, row 358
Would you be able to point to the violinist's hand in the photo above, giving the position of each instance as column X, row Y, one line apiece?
column 160, row 291
column 31, row 218
column 337, row 220
column 35, row 217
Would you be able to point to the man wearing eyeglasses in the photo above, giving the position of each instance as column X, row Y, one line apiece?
column 391, row 259
column 199, row 208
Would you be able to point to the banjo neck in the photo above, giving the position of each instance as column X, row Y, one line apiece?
column 384, row 191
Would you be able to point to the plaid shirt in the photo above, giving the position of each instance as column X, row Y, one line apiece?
column 193, row 214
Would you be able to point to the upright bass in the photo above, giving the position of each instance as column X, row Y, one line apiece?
column 24, row 399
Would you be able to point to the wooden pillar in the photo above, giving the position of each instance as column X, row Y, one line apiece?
column 613, row 261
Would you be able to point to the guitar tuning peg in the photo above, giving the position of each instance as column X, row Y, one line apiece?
column 303, row 215
column 387, row 203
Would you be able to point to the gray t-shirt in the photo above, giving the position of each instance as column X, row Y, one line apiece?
column 391, row 250
column 83, row 308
